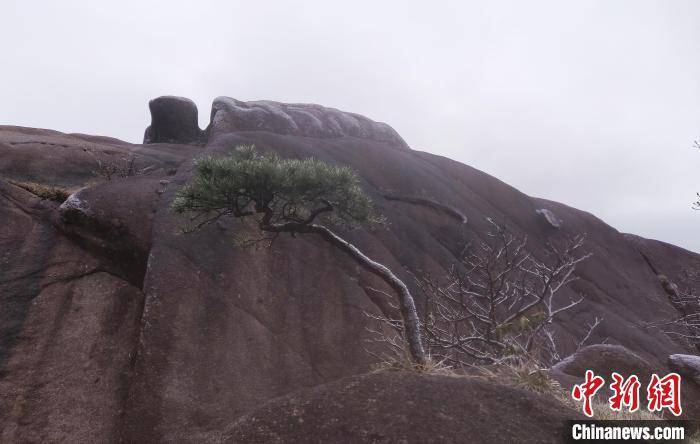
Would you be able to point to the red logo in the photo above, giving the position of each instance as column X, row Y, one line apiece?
column 665, row 393
column 587, row 390
column 662, row 393
column 626, row 393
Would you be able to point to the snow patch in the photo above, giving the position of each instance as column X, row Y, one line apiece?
column 550, row 217
column 686, row 365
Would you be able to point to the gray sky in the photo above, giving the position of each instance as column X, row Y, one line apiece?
column 591, row 103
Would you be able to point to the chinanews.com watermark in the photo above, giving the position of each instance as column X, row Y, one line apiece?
column 661, row 397
column 629, row 431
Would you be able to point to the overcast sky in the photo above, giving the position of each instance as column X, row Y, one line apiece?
column 592, row 103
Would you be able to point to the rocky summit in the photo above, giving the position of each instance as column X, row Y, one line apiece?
column 116, row 325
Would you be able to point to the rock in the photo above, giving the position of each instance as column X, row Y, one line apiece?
column 687, row 366
column 669, row 287
column 429, row 203
column 306, row 120
column 403, row 407
column 604, row 359
column 115, row 217
column 186, row 332
column 68, row 326
column 74, row 209
column 173, row 120
column 550, row 218
column 73, row 161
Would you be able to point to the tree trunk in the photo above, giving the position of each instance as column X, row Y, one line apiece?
column 411, row 323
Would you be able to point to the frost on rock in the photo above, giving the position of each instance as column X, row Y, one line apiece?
column 74, row 208
column 686, row 365
column 550, row 217
column 298, row 119
column 307, row 120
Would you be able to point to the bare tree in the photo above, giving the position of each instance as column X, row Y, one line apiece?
column 499, row 301
column 685, row 327
column 121, row 166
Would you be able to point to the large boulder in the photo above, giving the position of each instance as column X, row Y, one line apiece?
column 115, row 218
column 73, row 161
column 173, row 120
column 68, row 328
column 604, row 359
column 299, row 119
column 403, row 407
column 70, row 281
column 189, row 332
column 686, row 365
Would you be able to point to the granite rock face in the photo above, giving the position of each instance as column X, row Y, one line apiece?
column 307, row 120
column 392, row 407
column 549, row 217
column 117, row 325
column 686, row 365
column 173, row 120
column 603, row 359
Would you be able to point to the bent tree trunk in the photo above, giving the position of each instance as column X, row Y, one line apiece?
column 407, row 305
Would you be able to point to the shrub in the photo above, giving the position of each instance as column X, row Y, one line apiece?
column 46, row 192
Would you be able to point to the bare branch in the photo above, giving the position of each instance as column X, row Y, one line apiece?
column 500, row 301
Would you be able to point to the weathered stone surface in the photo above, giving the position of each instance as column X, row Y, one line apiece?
column 686, row 365
column 299, row 119
column 405, row 407
column 549, row 217
column 604, row 359
column 68, row 329
column 190, row 332
column 73, row 160
column 173, row 120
